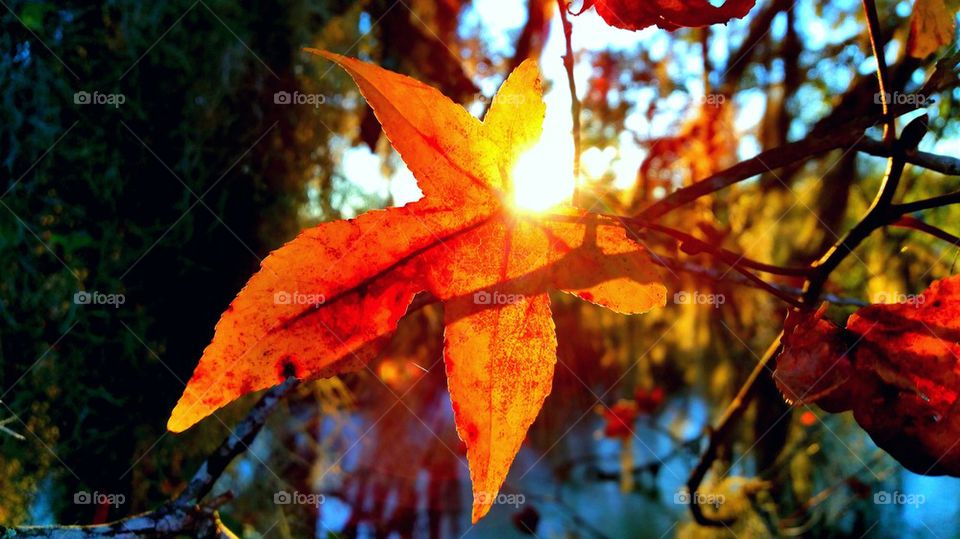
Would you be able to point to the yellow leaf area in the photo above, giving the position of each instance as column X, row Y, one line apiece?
column 326, row 302
column 932, row 26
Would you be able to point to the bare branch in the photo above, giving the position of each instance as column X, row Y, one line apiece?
column 883, row 77
column 916, row 224
column 943, row 164
column 927, row 204
column 183, row 515
column 789, row 154
column 722, row 433
column 574, row 100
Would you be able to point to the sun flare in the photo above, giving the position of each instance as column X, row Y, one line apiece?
column 543, row 175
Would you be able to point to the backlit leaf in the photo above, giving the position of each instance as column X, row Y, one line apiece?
column 901, row 377
column 668, row 14
column 931, row 27
column 326, row 302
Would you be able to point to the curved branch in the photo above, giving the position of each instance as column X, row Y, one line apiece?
column 883, row 76
column 184, row 515
column 877, row 216
column 722, row 433
column 916, row 224
column 775, row 158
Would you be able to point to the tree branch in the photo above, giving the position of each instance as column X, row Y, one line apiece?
column 725, row 277
column 693, row 245
column 235, row 444
column 883, row 77
column 878, row 215
column 773, row 159
column 926, row 204
column 943, row 164
column 881, row 213
column 722, row 433
column 183, row 515
column 916, row 224
column 574, row 100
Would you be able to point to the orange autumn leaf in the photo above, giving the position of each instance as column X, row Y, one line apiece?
column 668, row 14
column 326, row 302
column 900, row 374
column 932, row 26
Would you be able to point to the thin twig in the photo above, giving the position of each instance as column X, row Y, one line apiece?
column 733, row 260
column 721, row 434
column 926, row 204
column 8, row 431
column 883, row 77
column 943, row 164
column 877, row 216
column 693, row 245
column 737, row 279
column 772, row 159
column 916, row 224
column 185, row 515
column 574, row 100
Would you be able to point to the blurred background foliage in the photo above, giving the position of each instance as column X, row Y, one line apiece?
column 173, row 198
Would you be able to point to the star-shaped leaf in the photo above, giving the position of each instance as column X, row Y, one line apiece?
column 326, row 302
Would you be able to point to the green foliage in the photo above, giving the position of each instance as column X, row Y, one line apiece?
column 105, row 199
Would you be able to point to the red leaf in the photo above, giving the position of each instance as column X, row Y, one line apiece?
column 901, row 378
column 649, row 401
column 910, row 356
column 668, row 14
column 619, row 419
column 813, row 366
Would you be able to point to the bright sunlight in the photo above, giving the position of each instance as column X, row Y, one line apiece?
column 543, row 175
